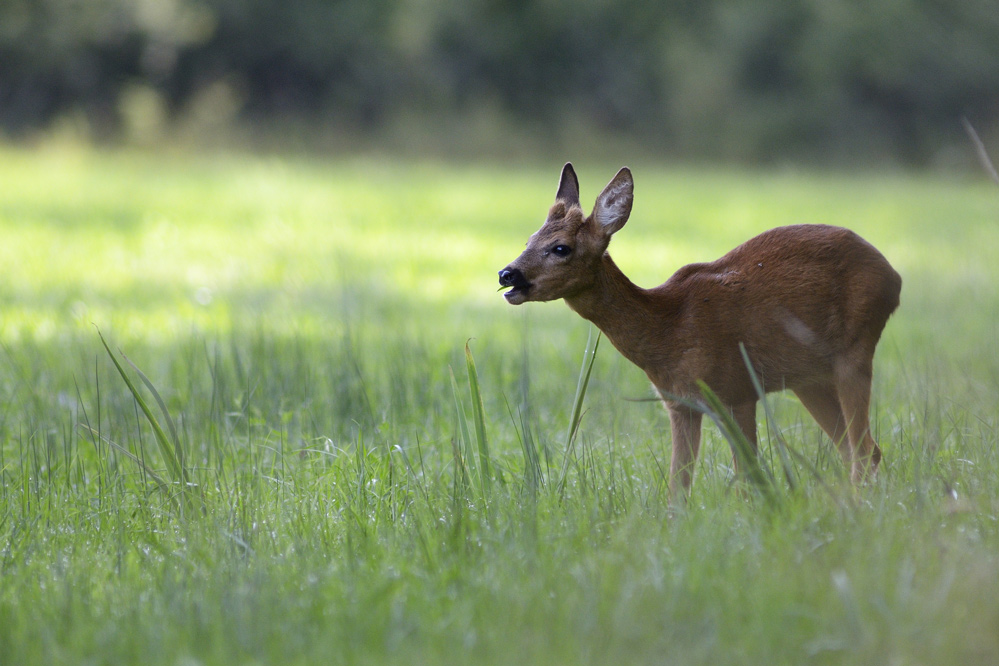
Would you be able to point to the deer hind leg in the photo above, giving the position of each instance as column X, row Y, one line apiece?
column 822, row 402
column 853, row 386
column 686, row 428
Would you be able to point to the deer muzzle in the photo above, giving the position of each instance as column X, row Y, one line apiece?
column 513, row 278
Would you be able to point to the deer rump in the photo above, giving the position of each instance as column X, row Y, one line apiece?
column 797, row 297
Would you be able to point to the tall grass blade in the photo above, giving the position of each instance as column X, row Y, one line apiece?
column 478, row 415
column 174, row 438
column 151, row 473
column 533, row 477
column 747, row 461
column 983, row 155
column 178, row 473
column 461, row 457
column 589, row 355
column 790, row 475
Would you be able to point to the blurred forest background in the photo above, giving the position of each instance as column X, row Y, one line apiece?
column 831, row 81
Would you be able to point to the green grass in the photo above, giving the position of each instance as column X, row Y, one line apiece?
column 347, row 501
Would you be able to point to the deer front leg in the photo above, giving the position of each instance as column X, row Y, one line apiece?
column 686, row 427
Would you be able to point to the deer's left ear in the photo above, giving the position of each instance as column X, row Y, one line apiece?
column 568, row 186
column 614, row 204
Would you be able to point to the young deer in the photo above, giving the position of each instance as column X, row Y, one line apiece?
column 809, row 302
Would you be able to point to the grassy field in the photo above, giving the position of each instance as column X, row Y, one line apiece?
column 330, row 487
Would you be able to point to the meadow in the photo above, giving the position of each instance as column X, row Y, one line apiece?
column 323, row 475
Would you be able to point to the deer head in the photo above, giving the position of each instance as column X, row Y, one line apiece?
column 562, row 257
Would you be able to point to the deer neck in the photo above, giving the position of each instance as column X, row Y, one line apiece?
column 626, row 313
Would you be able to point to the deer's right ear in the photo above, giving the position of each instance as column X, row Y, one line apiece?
column 568, row 186
column 614, row 204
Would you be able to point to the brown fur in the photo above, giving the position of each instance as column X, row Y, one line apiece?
column 809, row 302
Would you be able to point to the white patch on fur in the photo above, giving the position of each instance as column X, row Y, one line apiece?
column 798, row 330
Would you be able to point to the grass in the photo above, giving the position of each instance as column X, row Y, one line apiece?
column 349, row 486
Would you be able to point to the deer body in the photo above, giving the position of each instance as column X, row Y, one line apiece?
column 808, row 302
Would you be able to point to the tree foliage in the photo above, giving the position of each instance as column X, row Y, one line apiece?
column 756, row 79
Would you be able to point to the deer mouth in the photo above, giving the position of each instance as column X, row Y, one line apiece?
column 516, row 295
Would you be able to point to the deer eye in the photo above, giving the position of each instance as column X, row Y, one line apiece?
column 562, row 250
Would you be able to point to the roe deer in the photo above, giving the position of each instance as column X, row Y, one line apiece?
column 809, row 302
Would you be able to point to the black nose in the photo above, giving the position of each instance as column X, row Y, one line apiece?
column 511, row 277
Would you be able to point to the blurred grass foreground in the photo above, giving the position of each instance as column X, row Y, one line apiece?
column 828, row 81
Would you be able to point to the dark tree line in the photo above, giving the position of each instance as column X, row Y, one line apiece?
column 745, row 78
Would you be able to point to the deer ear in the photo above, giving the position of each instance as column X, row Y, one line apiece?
column 568, row 186
column 614, row 204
